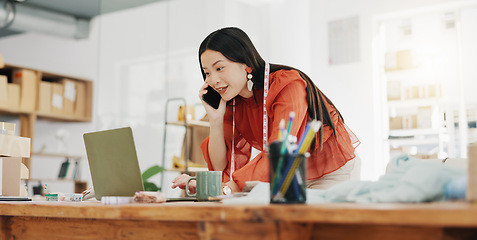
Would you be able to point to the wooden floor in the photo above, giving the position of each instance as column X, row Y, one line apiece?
column 190, row 220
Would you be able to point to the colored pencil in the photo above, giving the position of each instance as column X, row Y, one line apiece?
column 281, row 129
column 282, row 153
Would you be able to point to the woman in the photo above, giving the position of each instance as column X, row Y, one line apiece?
column 232, row 66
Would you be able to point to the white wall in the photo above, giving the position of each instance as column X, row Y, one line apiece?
column 469, row 38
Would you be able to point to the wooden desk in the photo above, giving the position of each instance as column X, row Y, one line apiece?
column 189, row 220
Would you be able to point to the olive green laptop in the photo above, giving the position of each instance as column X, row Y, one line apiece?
column 113, row 162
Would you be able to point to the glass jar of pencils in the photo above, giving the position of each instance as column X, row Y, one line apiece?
column 287, row 175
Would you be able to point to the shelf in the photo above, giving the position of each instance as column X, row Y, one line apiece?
column 65, row 118
column 413, row 141
column 79, row 187
column 47, row 96
column 411, row 75
column 195, row 131
column 407, row 70
column 53, row 180
column 415, row 103
column 191, row 123
column 10, row 111
column 57, row 155
column 47, row 116
column 416, row 131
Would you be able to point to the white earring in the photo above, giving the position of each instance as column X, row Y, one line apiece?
column 249, row 82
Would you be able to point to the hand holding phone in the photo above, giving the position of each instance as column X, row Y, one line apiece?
column 212, row 97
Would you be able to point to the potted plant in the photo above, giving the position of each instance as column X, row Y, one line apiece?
column 150, row 186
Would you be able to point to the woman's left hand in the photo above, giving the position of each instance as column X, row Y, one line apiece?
column 232, row 185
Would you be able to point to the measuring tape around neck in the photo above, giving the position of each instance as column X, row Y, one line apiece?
column 265, row 120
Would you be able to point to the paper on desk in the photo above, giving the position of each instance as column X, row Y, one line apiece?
column 260, row 195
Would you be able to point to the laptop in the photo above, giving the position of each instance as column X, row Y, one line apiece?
column 113, row 162
column 114, row 165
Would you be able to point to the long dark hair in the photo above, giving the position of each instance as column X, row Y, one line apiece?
column 236, row 46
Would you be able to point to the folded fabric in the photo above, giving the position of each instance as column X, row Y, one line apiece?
column 407, row 180
column 456, row 188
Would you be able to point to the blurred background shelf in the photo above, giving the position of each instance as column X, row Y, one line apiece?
column 56, row 155
column 190, row 123
column 191, row 159
column 69, row 171
column 33, row 95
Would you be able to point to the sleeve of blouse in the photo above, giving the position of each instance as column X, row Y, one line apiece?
column 290, row 98
column 205, row 152
column 204, row 146
column 242, row 154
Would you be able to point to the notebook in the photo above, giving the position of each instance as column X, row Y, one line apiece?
column 114, row 165
column 113, row 162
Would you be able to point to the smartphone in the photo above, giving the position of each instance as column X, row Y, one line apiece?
column 212, row 97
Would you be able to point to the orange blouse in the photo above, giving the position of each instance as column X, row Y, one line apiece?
column 287, row 93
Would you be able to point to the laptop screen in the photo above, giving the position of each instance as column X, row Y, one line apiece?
column 113, row 162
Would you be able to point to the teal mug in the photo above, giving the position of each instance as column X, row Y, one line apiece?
column 209, row 184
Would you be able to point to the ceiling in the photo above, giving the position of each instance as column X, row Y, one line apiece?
column 80, row 8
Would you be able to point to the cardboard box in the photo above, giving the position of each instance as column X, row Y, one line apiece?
column 13, row 93
column 11, row 176
column 57, row 98
column 2, row 64
column 44, row 97
column 398, row 60
column 3, row 92
column 27, row 79
column 69, row 96
column 404, row 59
column 13, row 170
column 80, row 105
column 12, row 150
column 395, row 123
column 9, row 128
column 471, row 194
column 434, row 90
column 14, row 146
